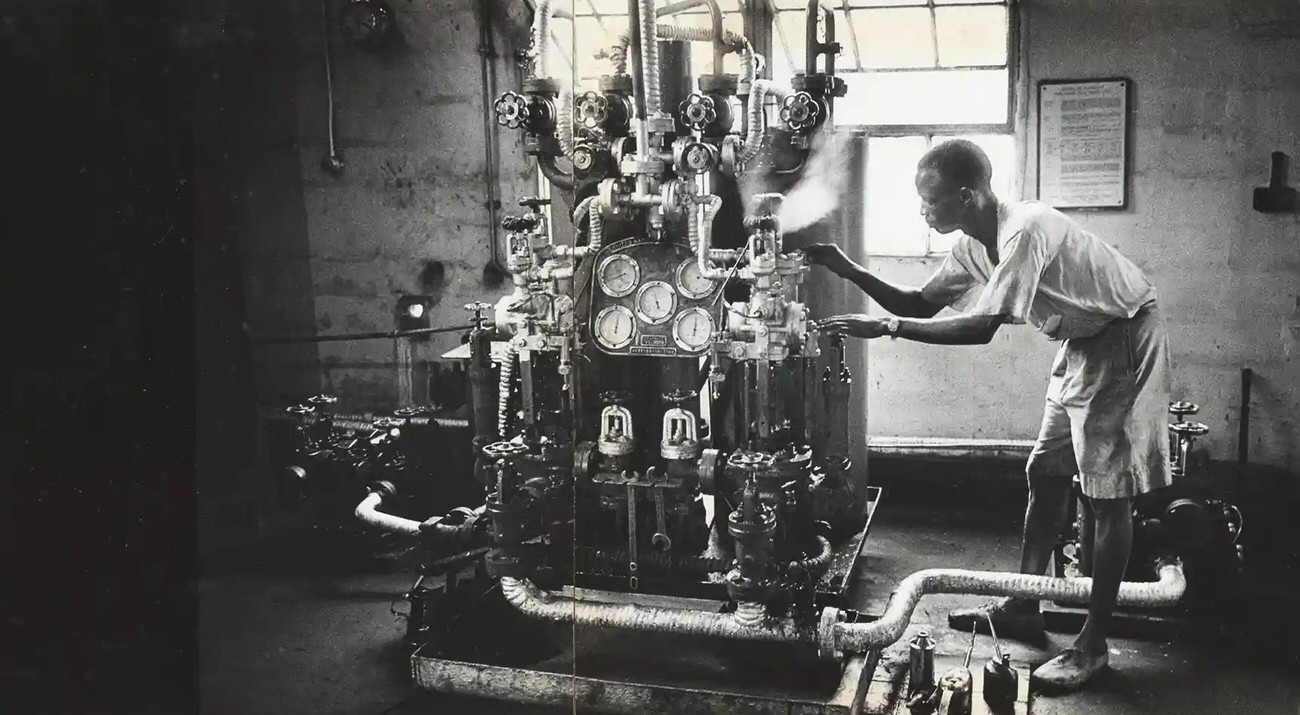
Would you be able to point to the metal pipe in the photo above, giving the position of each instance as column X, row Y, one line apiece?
column 1243, row 434
column 554, row 174
column 648, row 42
column 758, row 94
column 332, row 163
column 715, row 19
column 859, row 637
column 377, row 335
column 491, row 153
column 831, row 635
column 815, row 48
column 368, row 512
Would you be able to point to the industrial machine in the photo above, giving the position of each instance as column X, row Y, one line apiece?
column 659, row 431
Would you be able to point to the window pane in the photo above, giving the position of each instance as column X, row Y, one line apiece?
column 968, row 2
column 702, row 52
column 972, row 35
column 894, row 38
column 937, row 97
column 604, row 7
column 1001, row 149
column 893, row 224
column 788, row 46
column 880, row 3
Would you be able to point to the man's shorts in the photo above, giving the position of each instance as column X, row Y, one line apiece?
column 1107, row 410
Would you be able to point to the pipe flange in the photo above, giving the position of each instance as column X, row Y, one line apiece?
column 726, row 84
column 827, row 626
column 631, row 166
column 542, row 85
column 661, row 123
column 683, row 450
column 621, row 83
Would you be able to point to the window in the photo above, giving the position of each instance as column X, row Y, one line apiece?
column 598, row 25
column 918, row 72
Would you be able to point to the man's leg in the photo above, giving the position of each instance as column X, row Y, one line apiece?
column 1045, row 517
column 1112, row 545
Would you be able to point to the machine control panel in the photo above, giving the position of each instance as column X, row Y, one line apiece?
column 651, row 299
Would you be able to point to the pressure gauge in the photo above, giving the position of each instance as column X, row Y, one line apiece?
column 618, row 274
column 614, row 327
column 691, row 282
column 655, row 302
column 693, row 329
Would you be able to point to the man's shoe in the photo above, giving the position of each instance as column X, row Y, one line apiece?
column 1010, row 622
column 1069, row 670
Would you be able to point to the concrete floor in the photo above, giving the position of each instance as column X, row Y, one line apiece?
column 277, row 642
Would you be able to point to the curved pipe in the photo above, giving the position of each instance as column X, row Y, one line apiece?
column 815, row 48
column 541, row 32
column 831, row 635
column 758, row 95
column 715, row 19
column 505, row 377
column 368, row 512
column 700, row 233
column 593, row 208
column 727, row 40
column 818, row 563
column 858, row 637
column 553, row 174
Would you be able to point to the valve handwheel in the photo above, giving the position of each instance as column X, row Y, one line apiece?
column 592, row 110
column 512, row 110
column 698, row 111
column 503, row 450
column 800, row 111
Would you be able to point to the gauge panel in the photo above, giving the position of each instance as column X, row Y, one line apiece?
column 618, row 275
column 614, row 327
column 665, row 307
column 693, row 329
column 691, row 282
column 656, row 301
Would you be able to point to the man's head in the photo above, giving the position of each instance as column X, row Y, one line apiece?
column 953, row 181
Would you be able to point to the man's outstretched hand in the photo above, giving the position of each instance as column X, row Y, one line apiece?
column 829, row 255
column 856, row 325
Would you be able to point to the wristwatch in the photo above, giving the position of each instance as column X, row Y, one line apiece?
column 891, row 326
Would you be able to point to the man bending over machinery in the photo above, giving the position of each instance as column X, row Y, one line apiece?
column 1109, row 389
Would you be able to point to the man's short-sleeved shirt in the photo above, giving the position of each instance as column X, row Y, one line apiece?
column 1050, row 272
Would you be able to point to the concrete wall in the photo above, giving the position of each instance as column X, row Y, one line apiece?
column 1217, row 89
column 410, row 204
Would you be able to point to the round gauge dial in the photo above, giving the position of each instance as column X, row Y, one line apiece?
column 693, row 329
column 691, row 282
column 615, row 327
column 619, row 274
column 655, row 302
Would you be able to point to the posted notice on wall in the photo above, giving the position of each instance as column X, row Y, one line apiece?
column 1082, row 130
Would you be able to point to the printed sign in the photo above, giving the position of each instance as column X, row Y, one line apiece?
column 1082, row 143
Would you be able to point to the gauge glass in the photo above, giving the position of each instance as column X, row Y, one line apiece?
column 655, row 302
column 614, row 327
column 691, row 281
column 619, row 274
column 693, row 329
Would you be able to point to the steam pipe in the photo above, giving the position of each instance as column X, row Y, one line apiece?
column 715, row 19
column 564, row 123
column 832, row 635
column 649, row 46
column 593, row 208
column 541, row 32
column 730, row 41
column 814, row 47
column 487, row 53
column 368, row 512
column 758, row 95
column 553, row 173
column 859, row 637
column 700, row 233
column 505, row 377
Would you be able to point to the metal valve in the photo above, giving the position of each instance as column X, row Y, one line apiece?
column 478, row 309
column 498, row 451
column 800, row 111
column 694, row 157
column 527, row 222
column 533, row 203
column 512, row 110
column 322, row 399
column 1185, row 434
column 698, row 112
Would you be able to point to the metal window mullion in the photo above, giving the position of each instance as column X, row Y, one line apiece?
column 780, row 36
column 853, row 35
column 957, row 68
column 914, row 130
column 934, row 32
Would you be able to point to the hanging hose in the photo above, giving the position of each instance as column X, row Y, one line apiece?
column 507, row 374
column 553, row 173
column 758, row 95
column 830, row 634
column 595, row 225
